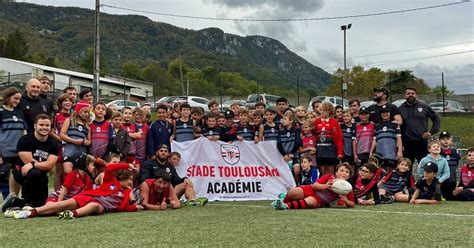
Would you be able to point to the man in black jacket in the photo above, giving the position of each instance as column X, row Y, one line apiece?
column 31, row 104
column 415, row 134
column 150, row 169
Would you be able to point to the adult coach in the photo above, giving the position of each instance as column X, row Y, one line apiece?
column 44, row 89
column 381, row 98
column 38, row 154
column 415, row 134
column 31, row 104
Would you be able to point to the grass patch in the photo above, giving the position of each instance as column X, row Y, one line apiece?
column 460, row 126
column 253, row 224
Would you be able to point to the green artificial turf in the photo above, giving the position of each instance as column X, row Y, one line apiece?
column 242, row 224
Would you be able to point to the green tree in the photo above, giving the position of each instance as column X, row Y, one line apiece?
column 164, row 83
column 439, row 90
column 360, row 82
column 17, row 46
column 87, row 62
column 131, row 69
column 3, row 46
column 38, row 58
column 399, row 80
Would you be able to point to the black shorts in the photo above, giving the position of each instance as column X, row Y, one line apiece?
column 348, row 159
column 327, row 161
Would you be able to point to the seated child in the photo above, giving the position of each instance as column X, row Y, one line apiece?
column 174, row 158
column 366, row 189
column 398, row 184
column 317, row 195
column 427, row 189
column 156, row 193
column 114, row 195
column 465, row 189
column 309, row 173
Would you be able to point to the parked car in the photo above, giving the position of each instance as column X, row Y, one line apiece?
column 119, row 104
column 367, row 103
column 449, row 106
column 269, row 100
column 398, row 102
column 226, row 104
column 334, row 100
column 194, row 101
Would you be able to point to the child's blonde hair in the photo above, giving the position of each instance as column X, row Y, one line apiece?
column 289, row 115
column 300, row 108
column 310, row 113
column 345, row 111
column 433, row 142
column 327, row 106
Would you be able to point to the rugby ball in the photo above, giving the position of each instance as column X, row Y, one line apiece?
column 341, row 187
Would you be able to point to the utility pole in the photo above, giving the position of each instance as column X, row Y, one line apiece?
column 344, row 28
column 96, row 71
column 181, row 74
column 298, row 90
column 442, row 90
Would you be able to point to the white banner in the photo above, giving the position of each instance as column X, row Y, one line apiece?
column 239, row 171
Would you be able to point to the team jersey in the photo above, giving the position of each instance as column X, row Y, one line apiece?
column 452, row 156
column 58, row 122
column 211, row 131
column 184, row 131
column 75, row 183
column 289, row 140
column 310, row 176
column 329, row 139
column 349, row 136
column 467, row 177
column 130, row 128
column 245, row 131
column 159, row 133
column 12, row 127
column 396, row 181
column 79, row 131
column 101, row 133
column 141, row 142
column 429, row 191
column 110, row 194
column 155, row 198
column 270, row 132
column 386, row 134
column 364, row 137
column 227, row 134
column 326, row 197
column 309, row 141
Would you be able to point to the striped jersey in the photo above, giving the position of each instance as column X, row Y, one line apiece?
column 386, row 133
column 396, row 181
column 101, row 133
column 364, row 137
column 79, row 131
column 12, row 125
column 270, row 132
column 130, row 128
column 184, row 131
column 349, row 136
column 246, row 131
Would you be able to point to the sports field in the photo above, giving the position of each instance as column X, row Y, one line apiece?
column 254, row 224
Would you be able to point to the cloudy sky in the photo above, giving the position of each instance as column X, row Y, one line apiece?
column 438, row 39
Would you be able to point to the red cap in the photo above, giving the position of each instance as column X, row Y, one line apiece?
column 80, row 105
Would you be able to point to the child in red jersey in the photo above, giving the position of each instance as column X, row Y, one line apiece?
column 156, row 193
column 75, row 182
column 365, row 131
column 309, row 142
column 65, row 104
column 317, row 195
column 366, row 187
column 100, row 167
column 114, row 195
column 101, row 131
column 465, row 189
column 329, row 140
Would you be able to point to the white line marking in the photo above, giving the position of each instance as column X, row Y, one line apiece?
column 354, row 210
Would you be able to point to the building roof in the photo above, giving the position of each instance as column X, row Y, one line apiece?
column 67, row 72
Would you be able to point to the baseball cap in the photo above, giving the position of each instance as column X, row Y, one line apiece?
column 431, row 167
column 383, row 90
column 163, row 146
column 444, row 134
column 363, row 110
column 228, row 114
column 384, row 109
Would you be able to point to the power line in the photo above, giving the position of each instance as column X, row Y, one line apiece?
column 286, row 19
column 399, row 51
column 390, row 62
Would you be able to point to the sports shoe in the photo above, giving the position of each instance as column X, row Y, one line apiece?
column 279, row 205
column 11, row 211
column 66, row 215
column 11, row 201
column 384, row 199
column 194, row 202
column 282, row 196
column 184, row 203
column 27, row 208
column 21, row 214
column 202, row 200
